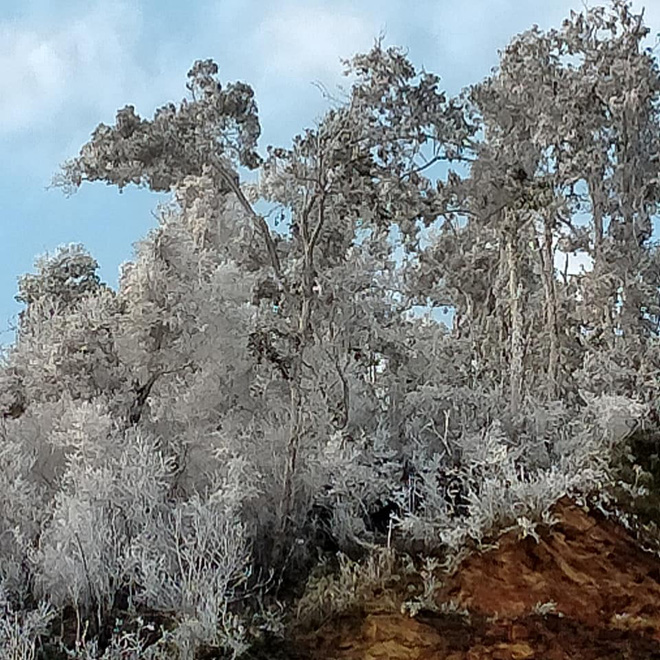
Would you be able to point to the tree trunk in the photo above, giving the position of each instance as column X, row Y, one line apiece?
column 515, row 295
column 295, row 433
column 546, row 254
column 597, row 202
column 597, row 211
column 305, row 337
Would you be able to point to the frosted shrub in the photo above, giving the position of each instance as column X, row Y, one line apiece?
column 79, row 548
column 22, row 511
column 125, row 646
column 194, row 561
column 362, row 476
column 453, row 488
column 20, row 631
column 496, row 480
column 108, row 494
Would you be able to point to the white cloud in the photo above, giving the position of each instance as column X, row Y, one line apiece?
column 75, row 67
column 32, row 77
column 303, row 41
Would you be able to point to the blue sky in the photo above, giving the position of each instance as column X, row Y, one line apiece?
column 66, row 65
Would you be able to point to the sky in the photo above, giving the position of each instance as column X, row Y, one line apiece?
column 67, row 65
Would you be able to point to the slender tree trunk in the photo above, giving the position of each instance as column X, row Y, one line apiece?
column 296, row 410
column 502, row 314
column 515, row 296
column 597, row 201
column 304, row 338
column 295, row 433
column 546, row 253
column 595, row 192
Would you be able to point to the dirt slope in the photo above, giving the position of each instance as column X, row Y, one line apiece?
column 604, row 587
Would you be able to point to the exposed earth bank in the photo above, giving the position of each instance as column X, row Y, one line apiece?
column 585, row 590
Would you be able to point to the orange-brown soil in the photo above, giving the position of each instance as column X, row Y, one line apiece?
column 605, row 590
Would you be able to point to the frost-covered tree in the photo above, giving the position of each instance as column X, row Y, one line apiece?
column 567, row 165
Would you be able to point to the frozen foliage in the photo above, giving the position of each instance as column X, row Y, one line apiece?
column 21, row 631
column 179, row 452
column 195, row 560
